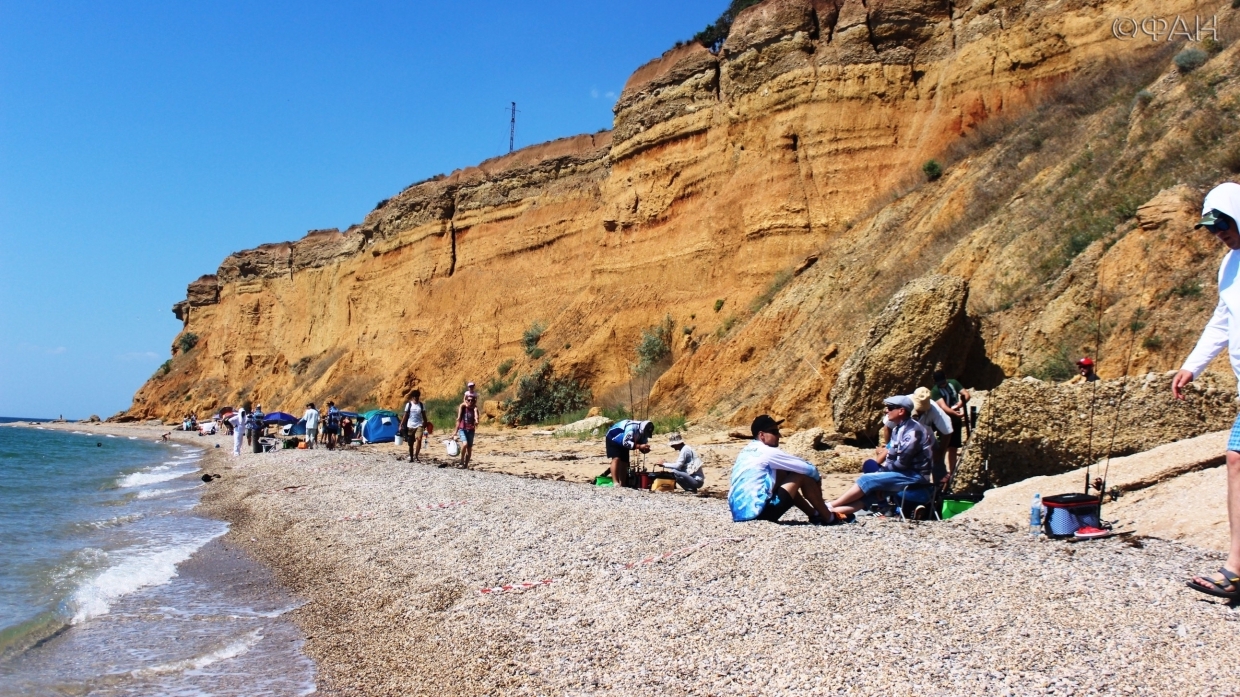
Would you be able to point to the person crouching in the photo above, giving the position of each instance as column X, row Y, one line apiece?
column 767, row 481
column 688, row 466
column 909, row 460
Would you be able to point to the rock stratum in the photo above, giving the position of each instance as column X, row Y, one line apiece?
column 783, row 177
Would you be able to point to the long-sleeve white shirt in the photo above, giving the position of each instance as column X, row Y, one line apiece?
column 1223, row 329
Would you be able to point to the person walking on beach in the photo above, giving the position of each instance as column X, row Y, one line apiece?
column 331, row 425
column 312, row 424
column 237, row 421
column 1220, row 214
column 466, row 424
column 412, row 424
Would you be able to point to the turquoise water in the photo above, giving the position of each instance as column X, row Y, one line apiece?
column 111, row 584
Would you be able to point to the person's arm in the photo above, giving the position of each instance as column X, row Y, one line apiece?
column 781, row 460
column 942, row 423
column 1213, row 340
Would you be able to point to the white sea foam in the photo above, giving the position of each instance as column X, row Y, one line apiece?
column 109, row 435
column 133, row 570
column 233, row 649
column 153, row 493
column 115, row 520
column 147, row 478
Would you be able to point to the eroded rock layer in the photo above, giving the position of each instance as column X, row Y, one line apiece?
column 802, row 141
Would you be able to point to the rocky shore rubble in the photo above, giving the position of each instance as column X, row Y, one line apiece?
column 641, row 594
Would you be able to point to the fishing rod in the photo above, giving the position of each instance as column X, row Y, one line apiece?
column 1093, row 398
column 1132, row 343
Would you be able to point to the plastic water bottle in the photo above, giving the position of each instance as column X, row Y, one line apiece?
column 1035, row 516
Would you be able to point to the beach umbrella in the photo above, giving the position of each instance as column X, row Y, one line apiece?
column 350, row 414
column 280, row 418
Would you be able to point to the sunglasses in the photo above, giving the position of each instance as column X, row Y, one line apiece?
column 890, row 408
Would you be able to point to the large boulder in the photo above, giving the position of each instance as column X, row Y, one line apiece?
column 923, row 326
column 1029, row 428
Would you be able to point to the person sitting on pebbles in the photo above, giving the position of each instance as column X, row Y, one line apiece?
column 688, row 466
column 909, row 460
column 623, row 437
column 767, row 481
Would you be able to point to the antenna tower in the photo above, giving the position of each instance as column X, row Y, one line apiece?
column 512, row 127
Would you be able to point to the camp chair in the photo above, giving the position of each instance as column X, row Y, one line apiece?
column 270, row 444
column 916, row 495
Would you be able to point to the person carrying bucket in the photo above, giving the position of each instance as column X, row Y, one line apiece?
column 1220, row 214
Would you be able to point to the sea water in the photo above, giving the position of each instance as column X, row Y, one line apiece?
column 110, row 584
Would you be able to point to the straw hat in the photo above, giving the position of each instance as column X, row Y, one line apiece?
column 675, row 439
column 921, row 400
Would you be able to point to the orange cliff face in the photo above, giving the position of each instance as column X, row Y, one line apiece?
column 721, row 172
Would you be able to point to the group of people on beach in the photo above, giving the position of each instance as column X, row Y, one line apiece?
column 415, row 426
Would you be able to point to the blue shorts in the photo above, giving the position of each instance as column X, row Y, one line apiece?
column 1233, row 441
column 466, row 437
column 877, row 482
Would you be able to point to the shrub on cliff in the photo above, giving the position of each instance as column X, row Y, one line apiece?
column 530, row 340
column 656, row 345
column 1190, row 59
column 187, row 342
column 542, row 395
column 932, row 169
column 164, row 368
column 713, row 36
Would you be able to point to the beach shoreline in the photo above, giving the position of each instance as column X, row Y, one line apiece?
column 422, row 580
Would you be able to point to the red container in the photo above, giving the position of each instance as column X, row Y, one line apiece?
column 647, row 480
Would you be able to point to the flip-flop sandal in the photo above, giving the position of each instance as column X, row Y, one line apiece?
column 1216, row 589
column 1091, row 533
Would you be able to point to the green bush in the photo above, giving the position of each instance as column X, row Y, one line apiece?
column 669, row 424
column 187, row 342
column 504, row 367
column 536, row 353
column 656, row 344
column 932, row 169
column 164, row 368
column 531, row 338
column 726, row 327
column 713, row 36
column 542, row 395
column 1145, row 97
column 1056, row 367
column 719, row 304
column 1188, row 289
column 442, row 413
column 1190, row 59
column 1152, row 343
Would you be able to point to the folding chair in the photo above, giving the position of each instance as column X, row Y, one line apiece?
column 270, row 444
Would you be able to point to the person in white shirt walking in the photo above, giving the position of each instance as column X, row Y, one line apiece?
column 1220, row 212
column 312, row 424
column 688, row 466
column 413, row 424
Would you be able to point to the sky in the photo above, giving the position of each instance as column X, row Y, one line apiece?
column 141, row 143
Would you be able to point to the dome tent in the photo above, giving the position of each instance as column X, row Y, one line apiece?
column 380, row 426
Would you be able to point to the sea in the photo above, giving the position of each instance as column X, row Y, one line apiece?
column 112, row 584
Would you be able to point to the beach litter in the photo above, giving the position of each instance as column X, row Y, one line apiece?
column 510, row 587
column 682, row 551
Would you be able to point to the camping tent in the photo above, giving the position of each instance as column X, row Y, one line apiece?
column 380, row 426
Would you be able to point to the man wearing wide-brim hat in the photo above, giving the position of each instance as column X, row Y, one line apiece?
column 908, row 463
column 1220, row 214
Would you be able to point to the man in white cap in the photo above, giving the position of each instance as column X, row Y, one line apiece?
column 688, row 466
column 908, row 463
column 1220, row 212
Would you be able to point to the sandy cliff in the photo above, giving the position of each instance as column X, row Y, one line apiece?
column 798, row 148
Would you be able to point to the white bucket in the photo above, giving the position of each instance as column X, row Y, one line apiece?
column 400, row 441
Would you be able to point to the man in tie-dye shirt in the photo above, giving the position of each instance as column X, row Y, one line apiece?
column 767, row 481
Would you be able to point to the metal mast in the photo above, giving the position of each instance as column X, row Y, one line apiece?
column 512, row 127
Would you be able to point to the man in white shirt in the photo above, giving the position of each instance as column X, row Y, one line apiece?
column 312, row 424
column 1220, row 212
column 413, row 424
column 688, row 466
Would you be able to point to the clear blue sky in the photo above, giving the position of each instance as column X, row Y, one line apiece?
column 141, row 143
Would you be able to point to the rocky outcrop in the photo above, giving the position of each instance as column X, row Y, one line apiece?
column 924, row 327
column 803, row 138
column 1029, row 428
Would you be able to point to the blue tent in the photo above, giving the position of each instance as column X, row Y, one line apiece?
column 380, row 426
column 280, row 418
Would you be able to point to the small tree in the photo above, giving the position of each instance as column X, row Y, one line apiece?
column 542, row 395
column 187, row 342
column 655, row 345
column 531, row 338
column 932, row 169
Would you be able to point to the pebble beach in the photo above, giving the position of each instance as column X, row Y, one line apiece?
column 426, row 580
